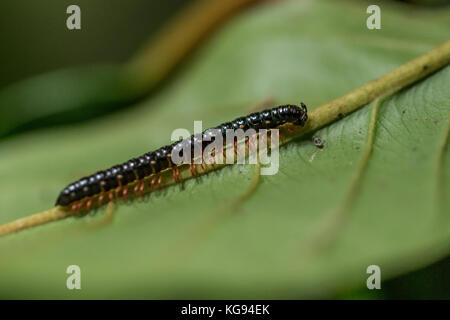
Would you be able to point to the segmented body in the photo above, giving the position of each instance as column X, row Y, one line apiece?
column 152, row 163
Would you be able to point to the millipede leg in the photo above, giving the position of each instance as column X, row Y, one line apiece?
column 152, row 183
column 100, row 198
column 111, row 196
column 79, row 206
column 74, row 208
column 88, row 204
column 195, row 168
column 192, row 169
column 124, row 193
column 136, row 189
column 141, row 188
column 160, row 182
column 176, row 174
column 118, row 191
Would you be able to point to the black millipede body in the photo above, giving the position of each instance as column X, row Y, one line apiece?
column 154, row 162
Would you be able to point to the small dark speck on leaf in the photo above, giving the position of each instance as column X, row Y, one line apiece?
column 425, row 67
column 357, row 147
column 340, row 115
column 435, row 122
column 414, row 149
column 317, row 142
column 403, row 111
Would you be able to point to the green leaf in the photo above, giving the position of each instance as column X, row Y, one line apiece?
column 290, row 238
column 62, row 97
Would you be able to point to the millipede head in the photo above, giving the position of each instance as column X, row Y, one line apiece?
column 64, row 198
column 302, row 113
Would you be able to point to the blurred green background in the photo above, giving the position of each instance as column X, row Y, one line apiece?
column 35, row 38
column 39, row 55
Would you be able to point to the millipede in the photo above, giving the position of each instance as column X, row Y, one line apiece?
column 107, row 185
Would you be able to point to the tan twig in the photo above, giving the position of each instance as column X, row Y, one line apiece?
column 177, row 39
column 37, row 219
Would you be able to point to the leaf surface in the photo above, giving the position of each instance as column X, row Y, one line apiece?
column 290, row 238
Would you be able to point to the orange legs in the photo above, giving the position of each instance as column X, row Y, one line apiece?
column 193, row 169
column 118, row 189
column 89, row 204
column 156, row 179
column 100, row 198
column 135, row 190
column 160, row 182
column 152, row 183
column 141, row 188
column 74, row 207
column 176, row 174
column 124, row 193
